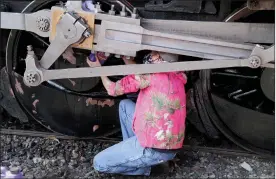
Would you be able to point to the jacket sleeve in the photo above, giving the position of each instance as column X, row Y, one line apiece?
column 129, row 84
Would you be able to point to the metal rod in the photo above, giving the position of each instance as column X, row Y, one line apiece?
column 139, row 69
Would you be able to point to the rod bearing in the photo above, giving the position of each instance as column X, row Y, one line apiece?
column 32, row 78
column 43, row 24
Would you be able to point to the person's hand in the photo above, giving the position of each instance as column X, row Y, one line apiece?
column 93, row 64
column 128, row 61
column 96, row 60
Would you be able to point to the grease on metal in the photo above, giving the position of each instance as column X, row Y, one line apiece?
column 18, row 86
column 95, row 127
column 12, row 93
column 108, row 102
column 35, row 103
column 102, row 103
column 69, row 56
column 91, row 101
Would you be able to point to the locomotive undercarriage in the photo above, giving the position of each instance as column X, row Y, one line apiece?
column 235, row 102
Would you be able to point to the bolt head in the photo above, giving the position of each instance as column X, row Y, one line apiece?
column 118, row 56
column 255, row 62
column 32, row 78
column 43, row 24
column 29, row 47
column 123, row 14
column 111, row 12
column 87, row 33
column 134, row 16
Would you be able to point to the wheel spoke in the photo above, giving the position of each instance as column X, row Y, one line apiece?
column 259, row 105
column 40, row 39
column 235, row 75
column 237, row 97
column 234, row 93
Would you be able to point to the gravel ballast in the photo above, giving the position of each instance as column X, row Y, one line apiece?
column 53, row 158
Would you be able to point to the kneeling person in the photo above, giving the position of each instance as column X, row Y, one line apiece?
column 153, row 128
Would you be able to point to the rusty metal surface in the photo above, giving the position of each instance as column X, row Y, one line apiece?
column 8, row 100
column 66, row 113
column 261, row 4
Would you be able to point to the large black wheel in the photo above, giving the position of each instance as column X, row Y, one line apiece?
column 72, row 107
column 240, row 101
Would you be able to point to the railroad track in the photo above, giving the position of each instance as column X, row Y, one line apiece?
column 216, row 150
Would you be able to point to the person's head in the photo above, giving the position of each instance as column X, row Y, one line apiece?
column 160, row 57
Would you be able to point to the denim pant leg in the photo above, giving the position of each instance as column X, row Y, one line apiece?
column 129, row 158
column 126, row 113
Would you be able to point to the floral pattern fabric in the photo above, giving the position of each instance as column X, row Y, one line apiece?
column 159, row 119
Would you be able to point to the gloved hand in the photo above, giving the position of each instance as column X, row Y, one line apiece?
column 88, row 5
column 96, row 59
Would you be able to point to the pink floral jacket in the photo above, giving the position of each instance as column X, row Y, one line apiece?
column 159, row 119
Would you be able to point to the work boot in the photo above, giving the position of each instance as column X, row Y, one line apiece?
column 160, row 169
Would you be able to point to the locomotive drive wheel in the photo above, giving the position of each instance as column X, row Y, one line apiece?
column 78, row 107
column 238, row 100
column 234, row 102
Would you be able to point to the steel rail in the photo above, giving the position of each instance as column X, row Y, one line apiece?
column 186, row 148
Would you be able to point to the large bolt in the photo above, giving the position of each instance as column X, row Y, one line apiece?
column 30, row 48
column 123, row 12
column 106, row 54
column 134, row 14
column 255, row 62
column 43, row 24
column 98, row 7
column 117, row 56
column 32, row 78
column 112, row 11
column 127, row 57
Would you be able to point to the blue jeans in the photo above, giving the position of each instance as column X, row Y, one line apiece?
column 129, row 157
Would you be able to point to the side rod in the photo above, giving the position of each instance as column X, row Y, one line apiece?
column 140, row 69
column 258, row 57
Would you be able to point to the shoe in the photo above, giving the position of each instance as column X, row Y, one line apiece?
column 160, row 169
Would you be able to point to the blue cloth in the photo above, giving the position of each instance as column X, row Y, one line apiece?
column 129, row 157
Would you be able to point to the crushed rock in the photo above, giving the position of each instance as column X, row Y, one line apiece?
column 45, row 158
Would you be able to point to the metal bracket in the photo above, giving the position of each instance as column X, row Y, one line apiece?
column 70, row 29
